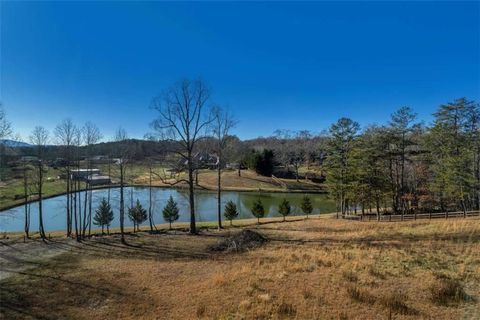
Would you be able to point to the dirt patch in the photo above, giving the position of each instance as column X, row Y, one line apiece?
column 241, row 241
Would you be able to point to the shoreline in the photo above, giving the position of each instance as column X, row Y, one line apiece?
column 179, row 226
column 229, row 189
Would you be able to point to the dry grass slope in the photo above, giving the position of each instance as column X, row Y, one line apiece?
column 311, row 269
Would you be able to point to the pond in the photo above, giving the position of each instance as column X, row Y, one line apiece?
column 205, row 202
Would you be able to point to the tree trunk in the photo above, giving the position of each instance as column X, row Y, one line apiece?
column 84, row 229
column 193, row 229
column 69, row 215
column 122, row 205
column 90, row 212
column 40, row 197
column 150, row 213
column 25, row 190
column 219, row 196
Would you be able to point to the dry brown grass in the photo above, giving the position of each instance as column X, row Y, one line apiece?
column 248, row 181
column 310, row 269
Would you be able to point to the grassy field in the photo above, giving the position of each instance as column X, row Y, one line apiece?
column 320, row 268
column 11, row 191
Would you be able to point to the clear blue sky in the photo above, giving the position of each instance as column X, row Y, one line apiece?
column 276, row 65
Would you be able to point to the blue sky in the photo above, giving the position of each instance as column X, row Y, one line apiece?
column 275, row 65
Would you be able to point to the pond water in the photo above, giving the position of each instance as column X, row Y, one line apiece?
column 205, row 203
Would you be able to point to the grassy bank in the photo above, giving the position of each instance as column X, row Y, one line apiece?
column 318, row 268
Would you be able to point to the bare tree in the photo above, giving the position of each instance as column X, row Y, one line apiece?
column 222, row 125
column 121, row 136
column 182, row 117
column 77, row 196
column 5, row 125
column 5, row 131
column 39, row 138
column 64, row 134
column 91, row 135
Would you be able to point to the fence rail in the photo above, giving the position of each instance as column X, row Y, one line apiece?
column 408, row 217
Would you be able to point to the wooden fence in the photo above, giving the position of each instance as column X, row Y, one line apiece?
column 409, row 217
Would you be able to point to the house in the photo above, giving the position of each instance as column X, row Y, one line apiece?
column 29, row 158
column 82, row 174
column 96, row 179
column 201, row 160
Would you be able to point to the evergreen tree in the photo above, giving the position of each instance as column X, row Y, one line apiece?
column 284, row 208
column 338, row 164
column 306, row 205
column 137, row 214
column 170, row 212
column 231, row 211
column 103, row 215
column 258, row 211
column 453, row 154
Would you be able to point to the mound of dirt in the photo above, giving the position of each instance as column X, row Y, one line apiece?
column 241, row 241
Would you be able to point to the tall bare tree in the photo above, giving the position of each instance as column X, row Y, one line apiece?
column 39, row 138
column 222, row 124
column 91, row 135
column 65, row 133
column 121, row 136
column 183, row 116
column 5, row 131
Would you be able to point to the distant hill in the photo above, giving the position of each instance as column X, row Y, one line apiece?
column 14, row 144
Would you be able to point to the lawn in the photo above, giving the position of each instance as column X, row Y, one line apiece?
column 320, row 268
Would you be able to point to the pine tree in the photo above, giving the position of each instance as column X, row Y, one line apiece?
column 137, row 214
column 284, row 208
column 306, row 205
column 103, row 215
column 258, row 211
column 170, row 212
column 231, row 211
column 338, row 164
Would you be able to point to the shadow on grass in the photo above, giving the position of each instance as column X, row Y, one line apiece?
column 55, row 289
